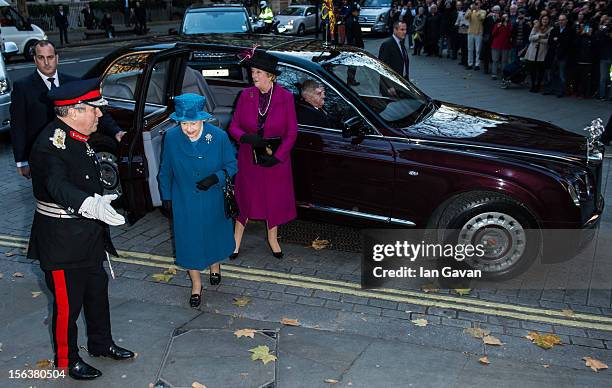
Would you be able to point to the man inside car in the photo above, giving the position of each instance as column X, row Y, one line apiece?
column 309, row 108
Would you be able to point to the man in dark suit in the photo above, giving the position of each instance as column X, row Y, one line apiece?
column 561, row 43
column 61, row 22
column 309, row 109
column 31, row 109
column 393, row 50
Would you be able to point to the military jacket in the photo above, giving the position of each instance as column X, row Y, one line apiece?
column 65, row 171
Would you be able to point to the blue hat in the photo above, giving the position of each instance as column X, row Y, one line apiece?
column 77, row 92
column 189, row 107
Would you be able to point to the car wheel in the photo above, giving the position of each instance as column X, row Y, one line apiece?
column 27, row 50
column 506, row 229
column 301, row 30
column 106, row 151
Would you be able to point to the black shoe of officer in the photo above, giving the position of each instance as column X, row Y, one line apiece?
column 115, row 352
column 81, row 370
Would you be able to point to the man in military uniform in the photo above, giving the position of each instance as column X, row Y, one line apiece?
column 70, row 233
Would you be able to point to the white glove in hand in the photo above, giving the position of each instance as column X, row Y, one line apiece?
column 98, row 207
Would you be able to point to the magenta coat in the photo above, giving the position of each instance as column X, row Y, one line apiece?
column 265, row 193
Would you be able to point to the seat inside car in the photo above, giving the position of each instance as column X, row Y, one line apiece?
column 194, row 82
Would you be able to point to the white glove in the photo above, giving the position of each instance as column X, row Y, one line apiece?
column 98, row 207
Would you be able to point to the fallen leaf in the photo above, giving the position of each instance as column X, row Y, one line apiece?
column 162, row 277
column 9, row 254
column 490, row 340
column 567, row 312
column 430, row 287
column 545, row 341
column 18, row 275
column 0, row 346
column 462, row 291
column 170, row 271
column 195, row 384
column 477, row 332
column 484, row 360
column 290, row 322
column 241, row 301
column 245, row 333
column 262, row 352
column 36, row 293
column 546, row 366
column 330, row 381
column 1, row 275
column 594, row 364
column 151, row 385
column 319, row 244
column 44, row 364
column 420, row 322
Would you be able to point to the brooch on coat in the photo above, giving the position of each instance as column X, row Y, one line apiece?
column 208, row 138
column 59, row 138
column 90, row 151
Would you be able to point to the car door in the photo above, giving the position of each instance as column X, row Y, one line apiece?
column 310, row 17
column 343, row 176
column 140, row 88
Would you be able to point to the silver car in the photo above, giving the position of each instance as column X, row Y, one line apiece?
column 297, row 19
column 8, row 48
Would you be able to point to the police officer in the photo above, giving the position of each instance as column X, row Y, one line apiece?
column 353, row 37
column 70, row 233
column 266, row 15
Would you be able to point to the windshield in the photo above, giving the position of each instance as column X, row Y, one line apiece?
column 293, row 11
column 396, row 101
column 377, row 3
column 214, row 22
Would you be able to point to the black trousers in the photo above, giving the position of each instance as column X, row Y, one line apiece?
column 63, row 35
column 72, row 290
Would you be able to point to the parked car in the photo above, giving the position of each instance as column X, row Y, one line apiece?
column 15, row 28
column 215, row 19
column 373, row 16
column 297, row 19
column 8, row 48
column 391, row 157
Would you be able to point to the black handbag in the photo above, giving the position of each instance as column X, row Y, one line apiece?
column 229, row 198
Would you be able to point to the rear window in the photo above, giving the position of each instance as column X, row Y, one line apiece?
column 215, row 22
column 292, row 11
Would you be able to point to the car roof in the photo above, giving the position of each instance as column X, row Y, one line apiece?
column 216, row 7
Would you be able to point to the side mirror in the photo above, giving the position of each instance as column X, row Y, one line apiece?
column 354, row 127
column 172, row 31
column 9, row 48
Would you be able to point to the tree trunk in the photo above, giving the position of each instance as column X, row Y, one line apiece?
column 22, row 7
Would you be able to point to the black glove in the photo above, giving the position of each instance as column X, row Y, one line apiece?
column 253, row 139
column 268, row 161
column 207, row 182
column 166, row 208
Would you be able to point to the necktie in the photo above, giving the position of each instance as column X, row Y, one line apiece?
column 52, row 80
column 404, row 57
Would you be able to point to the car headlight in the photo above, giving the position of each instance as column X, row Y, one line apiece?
column 290, row 22
column 4, row 86
column 574, row 192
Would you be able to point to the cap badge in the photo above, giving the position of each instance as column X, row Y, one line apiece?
column 59, row 138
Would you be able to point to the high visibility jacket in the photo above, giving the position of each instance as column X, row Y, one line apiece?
column 266, row 15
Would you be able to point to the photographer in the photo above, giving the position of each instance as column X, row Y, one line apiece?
column 501, row 45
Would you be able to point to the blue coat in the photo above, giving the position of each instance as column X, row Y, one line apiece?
column 202, row 234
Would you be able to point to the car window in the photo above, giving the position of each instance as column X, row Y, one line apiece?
column 396, row 101
column 214, row 22
column 377, row 3
column 156, row 93
column 336, row 107
column 10, row 18
column 310, row 11
column 292, row 11
column 120, row 79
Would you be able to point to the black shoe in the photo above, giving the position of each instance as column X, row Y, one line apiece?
column 476, row 68
column 278, row 255
column 195, row 300
column 81, row 370
column 469, row 67
column 234, row 255
column 215, row 278
column 115, row 352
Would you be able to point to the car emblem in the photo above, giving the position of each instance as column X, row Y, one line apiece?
column 59, row 138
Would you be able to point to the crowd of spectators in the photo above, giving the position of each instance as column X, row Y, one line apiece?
column 564, row 46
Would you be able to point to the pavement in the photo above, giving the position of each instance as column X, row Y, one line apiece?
column 337, row 334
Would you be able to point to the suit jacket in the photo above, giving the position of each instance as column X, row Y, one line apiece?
column 309, row 115
column 562, row 43
column 391, row 55
column 31, row 110
column 61, row 21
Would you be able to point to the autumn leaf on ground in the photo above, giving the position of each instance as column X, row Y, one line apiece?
column 331, row 381
column 546, row 366
column 195, row 384
column 170, row 271
column 545, row 341
column 245, row 333
column 241, row 301
column 594, row 364
column 462, row 291
column 0, row 346
column 9, row 254
column 490, row 340
column 1, row 275
column 36, row 293
column 484, row 360
column 319, row 244
column 430, row 287
column 567, row 313
column 162, row 277
column 44, row 364
column 420, row 322
column 18, row 275
column 290, row 322
column 262, row 352
column 477, row 332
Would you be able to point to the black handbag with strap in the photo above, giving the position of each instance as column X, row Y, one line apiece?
column 229, row 198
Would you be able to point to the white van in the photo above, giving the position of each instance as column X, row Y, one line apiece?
column 15, row 28
column 7, row 48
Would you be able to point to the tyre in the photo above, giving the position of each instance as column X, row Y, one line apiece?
column 301, row 30
column 106, row 151
column 27, row 50
column 505, row 228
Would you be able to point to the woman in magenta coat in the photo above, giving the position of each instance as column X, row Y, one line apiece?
column 264, row 191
